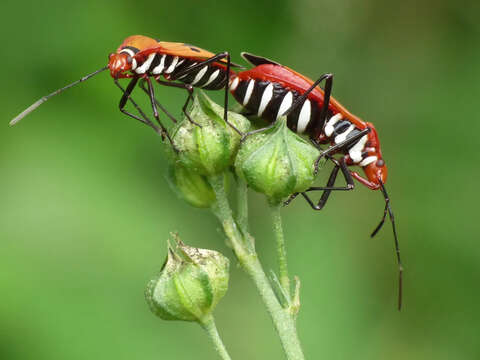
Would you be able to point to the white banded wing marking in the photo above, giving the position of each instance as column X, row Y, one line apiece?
column 234, row 84
column 249, row 91
column 368, row 160
column 356, row 151
column 172, row 65
column 132, row 54
column 128, row 51
column 159, row 68
column 200, row 75
column 304, row 117
column 343, row 136
column 266, row 97
column 184, row 75
column 286, row 104
column 146, row 65
column 212, row 77
column 333, row 120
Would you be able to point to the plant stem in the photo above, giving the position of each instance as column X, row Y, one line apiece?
column 243, row 246
column 208, row 324
column 281, row 250
column 282, row 319
column 242, row 204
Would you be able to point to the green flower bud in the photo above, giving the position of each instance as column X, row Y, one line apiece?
column 190, row 186
column 190, row 284
column 277, row 162
column 210, row 148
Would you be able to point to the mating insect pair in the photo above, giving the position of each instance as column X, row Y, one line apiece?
column 268, row 90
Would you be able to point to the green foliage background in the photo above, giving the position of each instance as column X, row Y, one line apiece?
column 85, row 207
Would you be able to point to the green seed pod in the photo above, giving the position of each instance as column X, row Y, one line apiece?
column 210, row 148
column 190, row 186
column 190, row 284
column 277, row 162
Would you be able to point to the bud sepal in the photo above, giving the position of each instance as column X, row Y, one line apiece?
column 189, row 286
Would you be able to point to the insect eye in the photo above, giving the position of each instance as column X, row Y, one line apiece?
column 129, row 59
column 380, row 163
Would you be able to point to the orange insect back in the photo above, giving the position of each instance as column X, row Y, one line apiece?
column 123, row 60
column 139, row 42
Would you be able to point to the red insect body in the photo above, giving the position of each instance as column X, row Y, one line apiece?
column 295, row 81
column 272, row 90
column 291, row 80
column 121, row 62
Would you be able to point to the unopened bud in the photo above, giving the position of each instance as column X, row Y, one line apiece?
column 209, row 145
column 277, row 162
column 190, row 284
column 191, row 186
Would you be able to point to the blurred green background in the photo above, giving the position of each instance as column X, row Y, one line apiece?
column 85, row 207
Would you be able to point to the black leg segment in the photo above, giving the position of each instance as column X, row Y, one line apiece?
column 189, row 89
column 339, row 165
column 170, row 116
column 126, row 97
column 326, row 99
column 155, row 110
column 340, row 145
column 215, row 58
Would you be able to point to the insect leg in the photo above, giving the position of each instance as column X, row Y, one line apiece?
column 325, row 195
column 225, row 102
column 329, row 186
column 301, row 99
column 166, row 112
column 155, row 110
column 126, row 97
column 326, row 99
column 342, row 165
column 244, row 136
column 335, row 147
column 291, row 198
column 189, row 89
column 215, row 58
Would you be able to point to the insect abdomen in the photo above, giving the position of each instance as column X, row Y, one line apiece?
column 270, row 100
column 209, row 77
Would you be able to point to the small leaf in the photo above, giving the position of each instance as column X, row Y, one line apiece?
column 282, row 297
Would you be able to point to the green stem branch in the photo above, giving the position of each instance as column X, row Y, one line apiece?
column 283, row 320
column 281, row 250
column 208, row 324
column 242, row 204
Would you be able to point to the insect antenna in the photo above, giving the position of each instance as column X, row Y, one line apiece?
column 56, row 92
column 388, row 210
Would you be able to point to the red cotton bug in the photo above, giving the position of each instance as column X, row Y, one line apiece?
column 141, row 57
column 270, row 90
